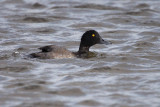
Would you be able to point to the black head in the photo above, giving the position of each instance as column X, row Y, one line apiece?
column 90, row 38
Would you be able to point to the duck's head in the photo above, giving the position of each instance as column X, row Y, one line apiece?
column 90, row 38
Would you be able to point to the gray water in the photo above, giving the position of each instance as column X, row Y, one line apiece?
column 124, row 74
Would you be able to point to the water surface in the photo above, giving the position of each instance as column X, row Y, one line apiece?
column 124, row 74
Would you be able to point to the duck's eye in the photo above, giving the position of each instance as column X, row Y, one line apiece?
column 93, row 35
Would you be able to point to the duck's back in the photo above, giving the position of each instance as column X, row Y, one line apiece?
column 53, row 52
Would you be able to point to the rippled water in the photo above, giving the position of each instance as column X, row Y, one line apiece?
column 124, row 74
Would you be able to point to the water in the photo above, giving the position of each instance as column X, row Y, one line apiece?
column 124, row 74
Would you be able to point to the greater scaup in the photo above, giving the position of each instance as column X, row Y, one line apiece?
column 89, row 38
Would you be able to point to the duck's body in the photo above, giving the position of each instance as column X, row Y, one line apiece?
column 89, row 38
column 52, row 51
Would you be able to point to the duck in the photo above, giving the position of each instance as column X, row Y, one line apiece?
column 88, row 39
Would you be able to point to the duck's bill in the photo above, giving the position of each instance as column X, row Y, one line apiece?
column 105, row 42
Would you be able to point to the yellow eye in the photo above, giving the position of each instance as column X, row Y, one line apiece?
column 93, row 35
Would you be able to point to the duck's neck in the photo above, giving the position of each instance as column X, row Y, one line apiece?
column 83, row 49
